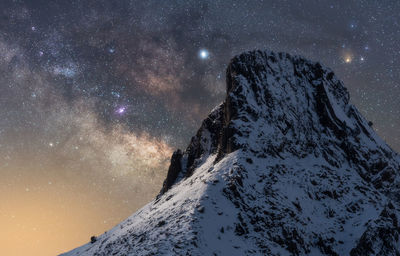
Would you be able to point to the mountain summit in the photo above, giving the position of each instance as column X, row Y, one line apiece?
column 284, row 166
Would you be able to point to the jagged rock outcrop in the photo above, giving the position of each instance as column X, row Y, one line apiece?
column 284, row 166
column 204, row 144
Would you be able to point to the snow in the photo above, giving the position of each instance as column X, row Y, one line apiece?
column 299, row 179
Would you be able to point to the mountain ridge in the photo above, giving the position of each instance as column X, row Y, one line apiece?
column 285, row 165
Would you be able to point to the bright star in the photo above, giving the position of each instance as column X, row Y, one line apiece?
column 204, row 54
column 121, row 110
column 348, row 58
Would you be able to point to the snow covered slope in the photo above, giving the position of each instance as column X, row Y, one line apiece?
column 284, row 166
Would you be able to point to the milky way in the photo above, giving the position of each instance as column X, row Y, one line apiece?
column 96, row 95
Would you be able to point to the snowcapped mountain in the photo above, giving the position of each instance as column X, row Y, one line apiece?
column 284, row 166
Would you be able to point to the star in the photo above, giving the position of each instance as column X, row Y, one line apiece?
column 204, row 54
column 121, row 110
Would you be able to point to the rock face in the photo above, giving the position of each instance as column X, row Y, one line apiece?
column 284, row 166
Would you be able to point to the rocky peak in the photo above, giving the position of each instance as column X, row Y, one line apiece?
column 284, row 91
column 281, row 105
column 284, row 166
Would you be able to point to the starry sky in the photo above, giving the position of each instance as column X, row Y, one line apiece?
column 96, row 95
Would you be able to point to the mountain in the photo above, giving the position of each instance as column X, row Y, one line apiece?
column 284, row 166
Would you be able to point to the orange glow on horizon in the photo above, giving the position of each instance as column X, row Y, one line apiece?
column 47, row 223
column 43, row 218
column 57, row 195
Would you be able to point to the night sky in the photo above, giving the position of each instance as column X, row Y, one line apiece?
column 96, row 95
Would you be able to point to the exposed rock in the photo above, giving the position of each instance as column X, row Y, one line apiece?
column 175, row 168
column 381, row 236
column 200, row 147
